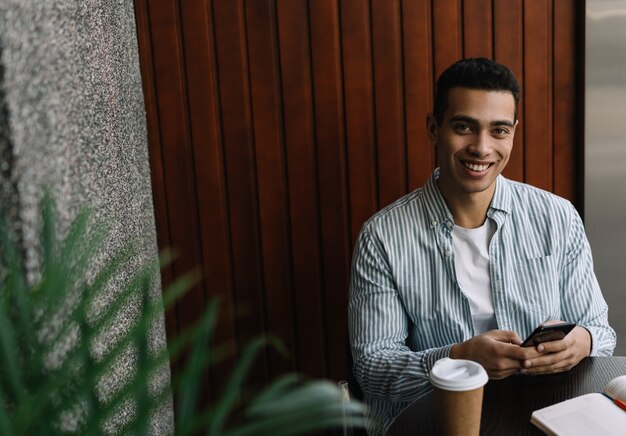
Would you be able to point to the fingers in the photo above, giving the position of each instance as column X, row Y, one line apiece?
column 551, row 363
column 505, row 336
column 553, row 346
column 547, row 360
column 558, row 356
column 513, row 351
column 493, row 351
column 499, row 367
column 498, row 351
column 578, row 338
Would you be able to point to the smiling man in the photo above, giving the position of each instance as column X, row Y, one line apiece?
column 471, row 262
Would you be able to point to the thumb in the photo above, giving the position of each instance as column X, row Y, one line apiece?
column 506, row 336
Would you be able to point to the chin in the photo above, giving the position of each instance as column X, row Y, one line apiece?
column 474, row 188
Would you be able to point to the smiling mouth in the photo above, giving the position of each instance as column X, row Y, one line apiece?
column 476, row 166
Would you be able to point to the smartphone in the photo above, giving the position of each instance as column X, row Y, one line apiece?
column 547, row 333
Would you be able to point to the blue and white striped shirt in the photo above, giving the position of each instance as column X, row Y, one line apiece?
column 406, row 308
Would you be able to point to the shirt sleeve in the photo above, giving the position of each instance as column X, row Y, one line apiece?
column 581, row 298
column 383, row 365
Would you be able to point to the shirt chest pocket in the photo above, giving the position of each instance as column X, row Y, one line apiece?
column 535, row 286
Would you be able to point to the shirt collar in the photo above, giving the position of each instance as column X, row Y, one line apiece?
column 502, row 196
column 438, row 210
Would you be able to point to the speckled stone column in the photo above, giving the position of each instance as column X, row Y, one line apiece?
column 72, row 120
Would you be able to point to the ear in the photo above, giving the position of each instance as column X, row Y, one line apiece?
column 432, row 127
column 515, row 127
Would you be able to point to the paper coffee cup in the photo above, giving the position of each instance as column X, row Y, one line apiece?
column 458, row 386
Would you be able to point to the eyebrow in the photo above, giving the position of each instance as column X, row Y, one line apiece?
column 471, row 120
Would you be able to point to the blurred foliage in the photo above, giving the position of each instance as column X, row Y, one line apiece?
column 51, row 375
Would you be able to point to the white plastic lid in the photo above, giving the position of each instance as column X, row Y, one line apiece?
column 458, row 375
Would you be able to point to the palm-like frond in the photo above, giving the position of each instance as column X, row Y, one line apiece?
column 50, row 373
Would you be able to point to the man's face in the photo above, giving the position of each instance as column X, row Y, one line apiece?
column 474, row 140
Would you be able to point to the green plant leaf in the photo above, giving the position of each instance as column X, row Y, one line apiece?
column 235, row 384
column 5, row 423
column 38, row 393
column 199, row 359
column 10, row 357
column 48, row 229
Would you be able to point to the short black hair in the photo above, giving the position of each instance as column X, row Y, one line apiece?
column 474, row 73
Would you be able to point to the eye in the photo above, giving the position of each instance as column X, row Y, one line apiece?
column 500, row 132
column 462, row 127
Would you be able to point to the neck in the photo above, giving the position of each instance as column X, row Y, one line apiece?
column 469, row 210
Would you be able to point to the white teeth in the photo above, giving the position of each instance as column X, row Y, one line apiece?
column 475, row 167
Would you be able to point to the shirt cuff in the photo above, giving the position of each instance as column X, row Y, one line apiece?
column 592, row 351
column 435, row 355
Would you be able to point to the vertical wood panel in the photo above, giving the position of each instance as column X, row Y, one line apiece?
column 157, row 171
column 293, row 33
column 565, row 87
column 538, row 93
column 177, row 152
column 241, row 180
column 358, row 83
column 509, row 50
column 208, row 169
column 388, row 93
column 272, row 175
column 331, row 157
column 447, row 33
column 418, row 89
column 478, row 28
column 277, row 127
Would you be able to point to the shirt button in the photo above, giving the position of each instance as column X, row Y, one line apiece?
column 433, row 224
column 448, row 253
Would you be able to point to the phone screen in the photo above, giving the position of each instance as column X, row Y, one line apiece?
column 547, row 333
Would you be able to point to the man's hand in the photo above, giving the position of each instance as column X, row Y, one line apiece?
column 561, row 355
column 498, row 351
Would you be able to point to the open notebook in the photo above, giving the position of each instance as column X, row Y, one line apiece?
column 592, row 414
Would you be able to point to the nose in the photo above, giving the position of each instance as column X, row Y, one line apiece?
column 481, row 146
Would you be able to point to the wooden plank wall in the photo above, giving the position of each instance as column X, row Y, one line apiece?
column 276, row 127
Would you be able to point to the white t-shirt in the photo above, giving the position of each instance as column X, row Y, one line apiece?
column 471, row 261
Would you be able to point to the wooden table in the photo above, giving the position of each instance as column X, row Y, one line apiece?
column 508, row 403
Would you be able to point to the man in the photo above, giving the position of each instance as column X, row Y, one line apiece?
column 470, row 263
